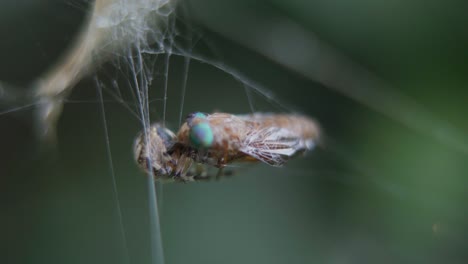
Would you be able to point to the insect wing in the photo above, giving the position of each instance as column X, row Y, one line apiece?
column 273, row 145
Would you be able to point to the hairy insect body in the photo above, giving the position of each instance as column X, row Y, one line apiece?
column 222, row 138
column 226, row 132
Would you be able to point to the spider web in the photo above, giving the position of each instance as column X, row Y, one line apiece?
column 138, row 38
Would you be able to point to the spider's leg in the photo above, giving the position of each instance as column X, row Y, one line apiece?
column 220, row 173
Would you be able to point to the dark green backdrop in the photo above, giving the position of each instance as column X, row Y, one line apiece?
column 378, row 192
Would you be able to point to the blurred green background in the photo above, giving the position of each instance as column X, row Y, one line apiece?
column 380, row 190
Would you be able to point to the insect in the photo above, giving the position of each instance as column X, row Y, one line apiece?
column 215, row 140
column 222, row 138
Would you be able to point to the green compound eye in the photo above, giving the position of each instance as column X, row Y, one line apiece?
column 199, row 115
column 195, row 115
column 201, row 135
